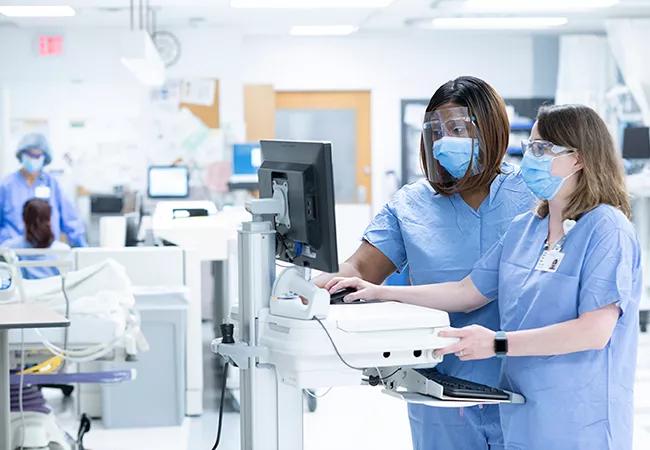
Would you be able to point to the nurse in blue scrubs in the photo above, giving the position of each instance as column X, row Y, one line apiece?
column 568, row 281
column 440, row 227
column 30, row 181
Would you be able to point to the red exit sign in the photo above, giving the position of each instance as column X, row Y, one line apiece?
column 50, row 45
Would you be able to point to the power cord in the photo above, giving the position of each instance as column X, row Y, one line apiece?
column 223, row 396
column 227, row 337
column 317, row 396
column 373, row 380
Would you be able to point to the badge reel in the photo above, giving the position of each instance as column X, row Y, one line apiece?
column 551, row 259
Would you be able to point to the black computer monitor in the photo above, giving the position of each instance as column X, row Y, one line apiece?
column 636, row 143
column 304, row 171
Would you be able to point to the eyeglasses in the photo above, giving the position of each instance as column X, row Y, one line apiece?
column 540, row 147
column 33, row 152
column 459, row 127
column 455, row 122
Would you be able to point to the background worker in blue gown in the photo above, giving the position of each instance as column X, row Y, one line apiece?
column 568, row 281
column 31, row 181
column 440, row 227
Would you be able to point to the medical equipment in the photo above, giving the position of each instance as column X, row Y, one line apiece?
column 96, row 300
column 289, row 337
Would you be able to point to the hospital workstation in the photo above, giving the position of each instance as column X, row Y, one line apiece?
column 306, row 224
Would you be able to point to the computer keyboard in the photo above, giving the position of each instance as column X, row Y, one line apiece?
column 463, row 389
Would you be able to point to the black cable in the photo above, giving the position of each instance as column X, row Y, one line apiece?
column 388, row 376
column 223, row 396
column 334, row 345
column 339, row 354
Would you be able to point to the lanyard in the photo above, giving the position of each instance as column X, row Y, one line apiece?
column 558, row 245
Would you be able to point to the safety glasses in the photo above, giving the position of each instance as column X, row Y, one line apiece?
column 33, row 153
column 540, row 147
column 454, row 122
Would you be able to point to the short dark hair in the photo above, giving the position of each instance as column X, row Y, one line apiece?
column 37, row 214
column 489, row 112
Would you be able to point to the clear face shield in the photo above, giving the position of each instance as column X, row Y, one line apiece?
column 451, row 144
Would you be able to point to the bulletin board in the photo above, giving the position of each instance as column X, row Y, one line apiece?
column 201, row 98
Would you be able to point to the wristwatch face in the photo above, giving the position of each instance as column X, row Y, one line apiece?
column 500, row 344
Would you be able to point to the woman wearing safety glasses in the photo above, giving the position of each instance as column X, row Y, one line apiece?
column 440, row 227
column 568, row 281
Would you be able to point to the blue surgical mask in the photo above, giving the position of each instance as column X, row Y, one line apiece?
column 455, row 154
column 32, row 165
column 536, row 172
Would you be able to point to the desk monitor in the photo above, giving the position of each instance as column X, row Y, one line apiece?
column 636, row 143
column 246, row 159
column 168, row 182
column 303, row 171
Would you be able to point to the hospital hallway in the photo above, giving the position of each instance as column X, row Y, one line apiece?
column 348, row 418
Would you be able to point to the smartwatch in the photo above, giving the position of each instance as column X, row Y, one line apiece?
column 500, row 344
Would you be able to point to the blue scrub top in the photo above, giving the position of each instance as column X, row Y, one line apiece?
column 582, row 400
column 14, row 192
column 442, row 237
column 35, row 273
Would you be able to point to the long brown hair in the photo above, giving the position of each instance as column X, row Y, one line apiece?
column 601, row 179
column 489, row 112
column 38, row 230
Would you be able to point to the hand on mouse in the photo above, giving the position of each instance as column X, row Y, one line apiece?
column 364, row 289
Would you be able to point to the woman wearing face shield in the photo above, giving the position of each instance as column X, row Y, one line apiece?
column 440, row 227
column 568, row 281
column 30, row 181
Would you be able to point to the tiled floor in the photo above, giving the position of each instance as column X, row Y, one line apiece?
column 346, row 419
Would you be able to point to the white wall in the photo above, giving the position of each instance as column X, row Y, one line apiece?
column 391, row 67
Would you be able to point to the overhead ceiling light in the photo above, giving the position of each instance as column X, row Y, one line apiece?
column 497, row 23
column 537, row 5
column 323, row 30
column 37, row 11
column 309, row 4
column 140, row 57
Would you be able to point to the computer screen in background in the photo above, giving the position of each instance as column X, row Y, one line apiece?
column 246, row 159
column 636, row 143
column 168, row 182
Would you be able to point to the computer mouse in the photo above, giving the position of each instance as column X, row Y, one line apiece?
column 338, row 296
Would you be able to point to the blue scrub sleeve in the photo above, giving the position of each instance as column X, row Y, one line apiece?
column 385, row 234
column 609, row 269
column 71, row 224
column 5, row 233
column 485, row 274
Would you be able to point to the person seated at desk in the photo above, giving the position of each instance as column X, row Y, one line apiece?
column 30, row 181
column 38, row 234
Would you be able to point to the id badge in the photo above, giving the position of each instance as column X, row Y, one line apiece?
column 550, row 261
column 42, row 192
